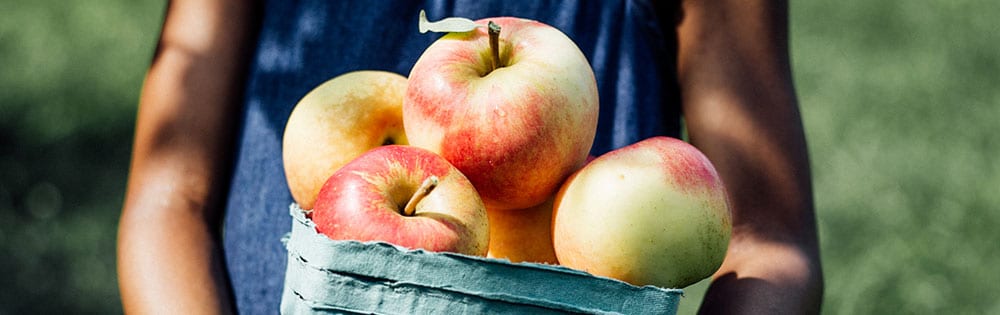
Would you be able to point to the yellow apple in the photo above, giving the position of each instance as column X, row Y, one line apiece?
column 652, row 213
column 522, row 235
column 338, row 121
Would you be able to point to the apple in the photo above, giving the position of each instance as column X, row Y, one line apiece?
column 522, row 235
column 516, row 114
column 651, row 213
column 338, row 121
column 406, row 196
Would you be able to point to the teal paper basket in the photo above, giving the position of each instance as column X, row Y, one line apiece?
column 337, row 277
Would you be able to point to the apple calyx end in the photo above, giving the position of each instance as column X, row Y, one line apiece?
column 425, row 189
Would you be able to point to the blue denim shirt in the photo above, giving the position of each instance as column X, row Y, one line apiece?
column 301, row 44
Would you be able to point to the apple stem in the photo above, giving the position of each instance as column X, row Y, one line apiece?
column 494, row 31
column 422, row 191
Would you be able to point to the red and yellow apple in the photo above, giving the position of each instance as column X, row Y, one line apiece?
column 338, row 121
column 652, row 213
column 406, row 196
column 516, row 118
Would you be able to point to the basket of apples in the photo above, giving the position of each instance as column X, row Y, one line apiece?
column 486, row 200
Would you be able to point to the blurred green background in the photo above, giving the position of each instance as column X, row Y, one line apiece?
column 901, row 102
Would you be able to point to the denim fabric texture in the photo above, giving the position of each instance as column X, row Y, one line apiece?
column 304, row 43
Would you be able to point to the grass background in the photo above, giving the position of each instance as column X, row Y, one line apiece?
column 901, row 102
